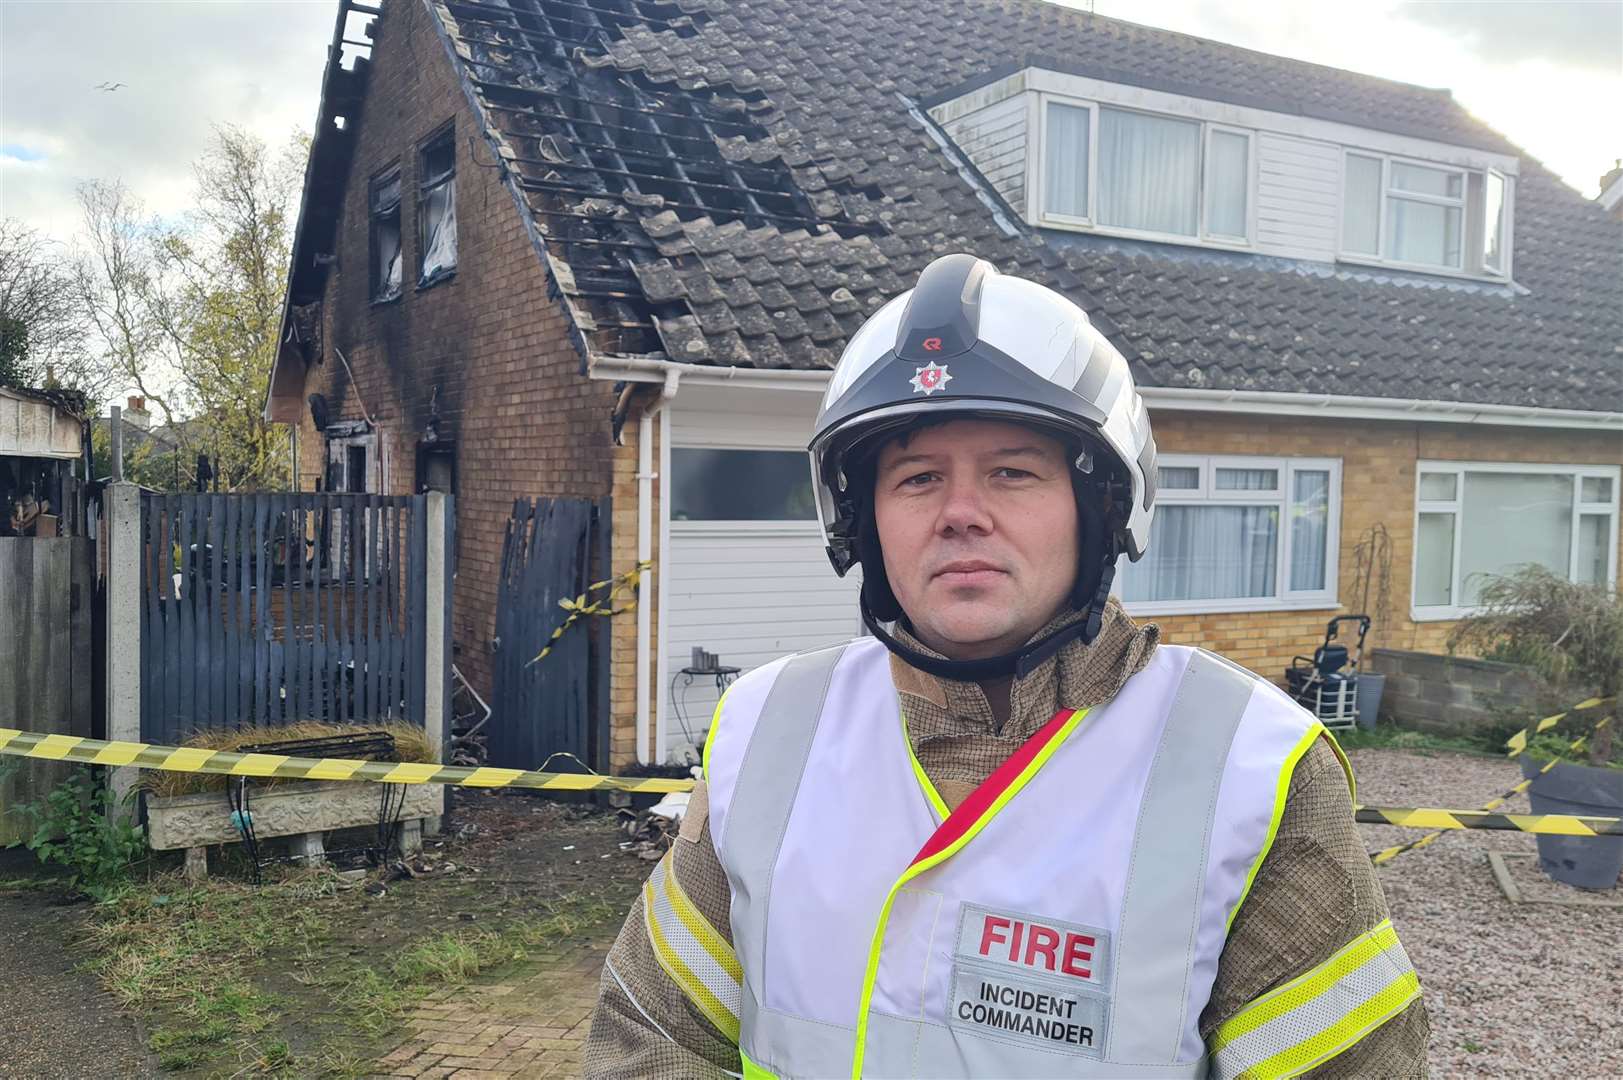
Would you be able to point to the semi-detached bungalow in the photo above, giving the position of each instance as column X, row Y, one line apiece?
column 613, row 247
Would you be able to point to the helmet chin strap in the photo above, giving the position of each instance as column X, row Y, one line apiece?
column 1020, row 663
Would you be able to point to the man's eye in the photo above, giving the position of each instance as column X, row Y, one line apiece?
column 918, row 479
column 1010, row 473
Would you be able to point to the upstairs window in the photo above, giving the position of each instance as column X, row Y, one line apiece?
column 1423, row 215
column 386, row 251
column 436, row 209
column 1160, row 176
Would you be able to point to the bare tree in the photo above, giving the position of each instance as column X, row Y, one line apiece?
column 190, row 311
column 44, row 336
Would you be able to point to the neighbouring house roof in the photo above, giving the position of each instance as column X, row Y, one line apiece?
column 808, row 189
column 41, row 423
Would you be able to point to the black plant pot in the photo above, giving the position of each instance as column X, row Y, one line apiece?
column 1589, row 862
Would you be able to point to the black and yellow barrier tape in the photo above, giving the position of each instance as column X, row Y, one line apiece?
column 578, row 606
column 230, row 763
column 1386, row 855
column 1518, row 742
column 1411, row 817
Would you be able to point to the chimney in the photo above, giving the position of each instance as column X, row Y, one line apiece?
column 135, row 413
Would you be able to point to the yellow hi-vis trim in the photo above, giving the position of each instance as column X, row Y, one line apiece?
column 753, row 1071
column 698, row 926
column 872, row 974
column 710, row 736
column 1320, row 1013
column 669, row 956
column 1281, row 784
column 925, row 783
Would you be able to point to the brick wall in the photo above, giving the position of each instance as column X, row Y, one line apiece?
column 486, row 352
column 1456, row 695
column 1377, row 485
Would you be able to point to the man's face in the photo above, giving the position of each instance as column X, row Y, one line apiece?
column 978, row 524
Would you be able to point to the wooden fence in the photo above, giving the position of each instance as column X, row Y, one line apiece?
column 47, row 595
column 265, row 609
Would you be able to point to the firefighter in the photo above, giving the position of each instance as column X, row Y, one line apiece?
column 1010, row 833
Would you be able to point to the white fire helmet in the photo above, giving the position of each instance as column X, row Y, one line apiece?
column 967, row 340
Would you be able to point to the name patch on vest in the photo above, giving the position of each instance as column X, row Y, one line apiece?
column 1031, row 979
column 1069, row 952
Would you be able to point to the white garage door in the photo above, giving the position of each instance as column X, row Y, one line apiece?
column 748, row 577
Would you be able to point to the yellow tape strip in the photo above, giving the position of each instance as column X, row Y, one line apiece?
column 1518, row 741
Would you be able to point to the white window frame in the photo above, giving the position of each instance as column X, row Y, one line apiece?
column 1502, row 270
column 1472, row 217
column 741, row 526
column 1285, row 598
column 1202, row 237
column 1458, row 469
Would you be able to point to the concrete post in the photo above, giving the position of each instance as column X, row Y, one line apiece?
column 437, row 631
column 122, row 507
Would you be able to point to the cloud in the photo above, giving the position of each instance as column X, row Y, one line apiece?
column 1578, row 33
column 185, row 67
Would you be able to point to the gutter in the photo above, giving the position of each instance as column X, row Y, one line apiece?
column 651, row 737
column 1259, row 402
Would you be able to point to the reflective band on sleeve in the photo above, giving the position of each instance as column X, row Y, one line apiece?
column 691, row 952
column 1319, row 1014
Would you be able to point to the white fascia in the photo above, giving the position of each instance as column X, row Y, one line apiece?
column 1260, row 402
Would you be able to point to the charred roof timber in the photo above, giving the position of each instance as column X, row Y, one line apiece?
column 595, row 149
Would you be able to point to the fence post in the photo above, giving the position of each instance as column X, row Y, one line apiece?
column 437, row 629
column 122, row 503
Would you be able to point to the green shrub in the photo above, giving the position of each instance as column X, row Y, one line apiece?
column 77, row 827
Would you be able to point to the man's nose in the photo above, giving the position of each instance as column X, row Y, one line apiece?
column 964, row 508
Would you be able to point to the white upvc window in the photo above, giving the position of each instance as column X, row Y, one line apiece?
column 1476, row 519
column 1238, row 534
column 1144, row 174
column 1424, row 216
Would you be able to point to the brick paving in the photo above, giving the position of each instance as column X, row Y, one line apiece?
column 531, row 1024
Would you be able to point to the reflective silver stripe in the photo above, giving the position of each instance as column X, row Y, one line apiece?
column 1167, row 871
column 1311, row 1021
column 768, row 780
column 696, row 964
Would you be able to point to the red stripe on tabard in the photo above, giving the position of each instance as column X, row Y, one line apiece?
column 980, row 800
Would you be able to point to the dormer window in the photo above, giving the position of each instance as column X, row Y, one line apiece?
column 1421, row 215
column 1145, row 173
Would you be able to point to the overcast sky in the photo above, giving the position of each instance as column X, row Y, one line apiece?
column 1547, row 73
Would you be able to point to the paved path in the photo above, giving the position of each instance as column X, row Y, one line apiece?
column 531, row 1025
column 56, row 1021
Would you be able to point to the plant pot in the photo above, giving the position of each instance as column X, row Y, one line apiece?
column 1370, row 686
column 1589, row 862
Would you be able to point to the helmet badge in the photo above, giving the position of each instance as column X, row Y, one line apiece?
column 930, row 378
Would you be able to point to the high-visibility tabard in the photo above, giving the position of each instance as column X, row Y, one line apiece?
column 1064, row 919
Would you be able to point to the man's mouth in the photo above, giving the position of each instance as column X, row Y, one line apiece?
column 967, row 572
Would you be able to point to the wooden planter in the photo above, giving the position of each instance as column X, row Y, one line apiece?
column 303, row 809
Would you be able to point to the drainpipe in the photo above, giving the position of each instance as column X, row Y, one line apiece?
column 650, row 740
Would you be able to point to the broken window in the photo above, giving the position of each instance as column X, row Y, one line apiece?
column 436, row 209
column 387, row 263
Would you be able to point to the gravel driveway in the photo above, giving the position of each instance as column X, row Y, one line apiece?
column 1514, row 990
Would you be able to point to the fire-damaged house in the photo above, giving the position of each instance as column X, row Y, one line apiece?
column 610, row 249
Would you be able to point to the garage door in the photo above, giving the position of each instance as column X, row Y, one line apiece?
column 748, row 578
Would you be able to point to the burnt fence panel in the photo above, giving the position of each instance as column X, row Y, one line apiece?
column 266, row 609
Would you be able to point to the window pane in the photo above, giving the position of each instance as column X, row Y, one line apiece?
column 438, row 209
column 1207, row 553
column 1493, row 223
column 1434, row 561
column 1228, row 183
column 1361, row 213
column 1437, row 487
column 1178, row 477
column 1596, row 489
column 740, row 485
column 1509, row 519
column 1149, row 172
column 1424, row 233
column 1424, row 181
column 1593, row 532
column 1310, row 520
column 1247, row 479
column 1065, row 184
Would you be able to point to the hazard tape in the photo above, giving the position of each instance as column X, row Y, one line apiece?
column 1518, row 741
column 230, row 763
column 578, row 606
column 1423, row 817
column 1517, row 744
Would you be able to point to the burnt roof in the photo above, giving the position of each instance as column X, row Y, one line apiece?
column 743, row 182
